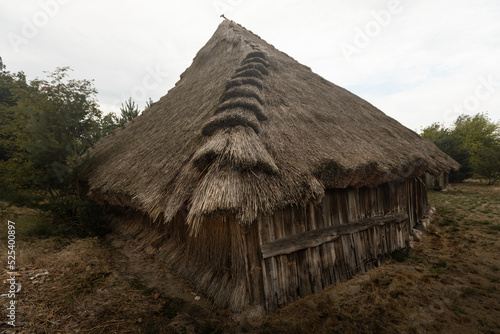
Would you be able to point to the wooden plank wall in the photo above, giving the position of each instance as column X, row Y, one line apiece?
column 225, row 260
column 437, row 182
column 288, row 276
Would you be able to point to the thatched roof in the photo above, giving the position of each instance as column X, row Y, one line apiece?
column 248, row 130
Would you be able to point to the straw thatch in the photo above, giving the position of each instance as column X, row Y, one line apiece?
column 246, row 131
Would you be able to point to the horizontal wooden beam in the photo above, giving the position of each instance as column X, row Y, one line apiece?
column 317, row 237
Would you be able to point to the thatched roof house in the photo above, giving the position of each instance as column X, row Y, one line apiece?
column 260, row 181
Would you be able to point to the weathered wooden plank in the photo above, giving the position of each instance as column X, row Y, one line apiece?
column 264, row 229
column 324, row 254
column 266, row 283
column 353, row 204
column 334, row 208
column 270, row 221
column 343, row 206
column 255, row 265
column 373, row 236
column 306, row 217
column 299, row 216
column 317, row 237
column 364, row 203
column 326, row 204
column 382, row 240
column 303, row 273
column 349, row 255
column 240, row 233
column 411, row 205
column 369, row 259
column 314, row 254
column 359, row 251
column 380, row 200
column 318, row 215
column 280, row 263
column 373, row 202
column 315, row 269
column 340, row 266
column 271, row 277
column 288, row 223
column 282, row 268
column 394, row 237
column 278, row 225
column 332, row 259
column 293, row 283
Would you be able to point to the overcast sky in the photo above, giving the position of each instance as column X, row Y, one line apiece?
column 418, row 61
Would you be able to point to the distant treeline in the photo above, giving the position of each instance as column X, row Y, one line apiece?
column 474, row 142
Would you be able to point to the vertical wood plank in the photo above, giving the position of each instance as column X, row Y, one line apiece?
column 303, row 273
column 255, row 265
column 281, row 262
column 349, row 255
column 240, row 235
column 269, row 265
column 359, row 250
column 324, row 254
column 327, row 209
column 332, row 259
column 262, row 235
column 353, row 208
column 314, row 254
column 288, row 223
column 343, row 206
column 293, row 283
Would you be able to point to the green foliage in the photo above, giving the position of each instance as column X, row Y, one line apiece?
column 474, row 142
column 149, row 103
column 129, row 111
column 488, row 163
column 7, row 82
column 476, row 133
column 47, row 130
column 449, row 143
column 11, row 127
column 435, row 132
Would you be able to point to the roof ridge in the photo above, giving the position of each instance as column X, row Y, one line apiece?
column 241, row 106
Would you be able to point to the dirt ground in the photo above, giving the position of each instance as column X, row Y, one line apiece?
column 449, row 283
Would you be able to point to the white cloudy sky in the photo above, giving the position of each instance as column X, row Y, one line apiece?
column 422, row 62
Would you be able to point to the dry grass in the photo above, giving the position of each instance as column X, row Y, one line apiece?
column 73, row 286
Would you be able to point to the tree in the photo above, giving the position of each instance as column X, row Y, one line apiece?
column 129, row 111
column 149, row 103
column 450, row 144
column 13, row 162
column 435, row 132
column 55, row 121
column 47, row 126
column 473, row 141
column 488, row 164
column 63, row 121
column 476, row 133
